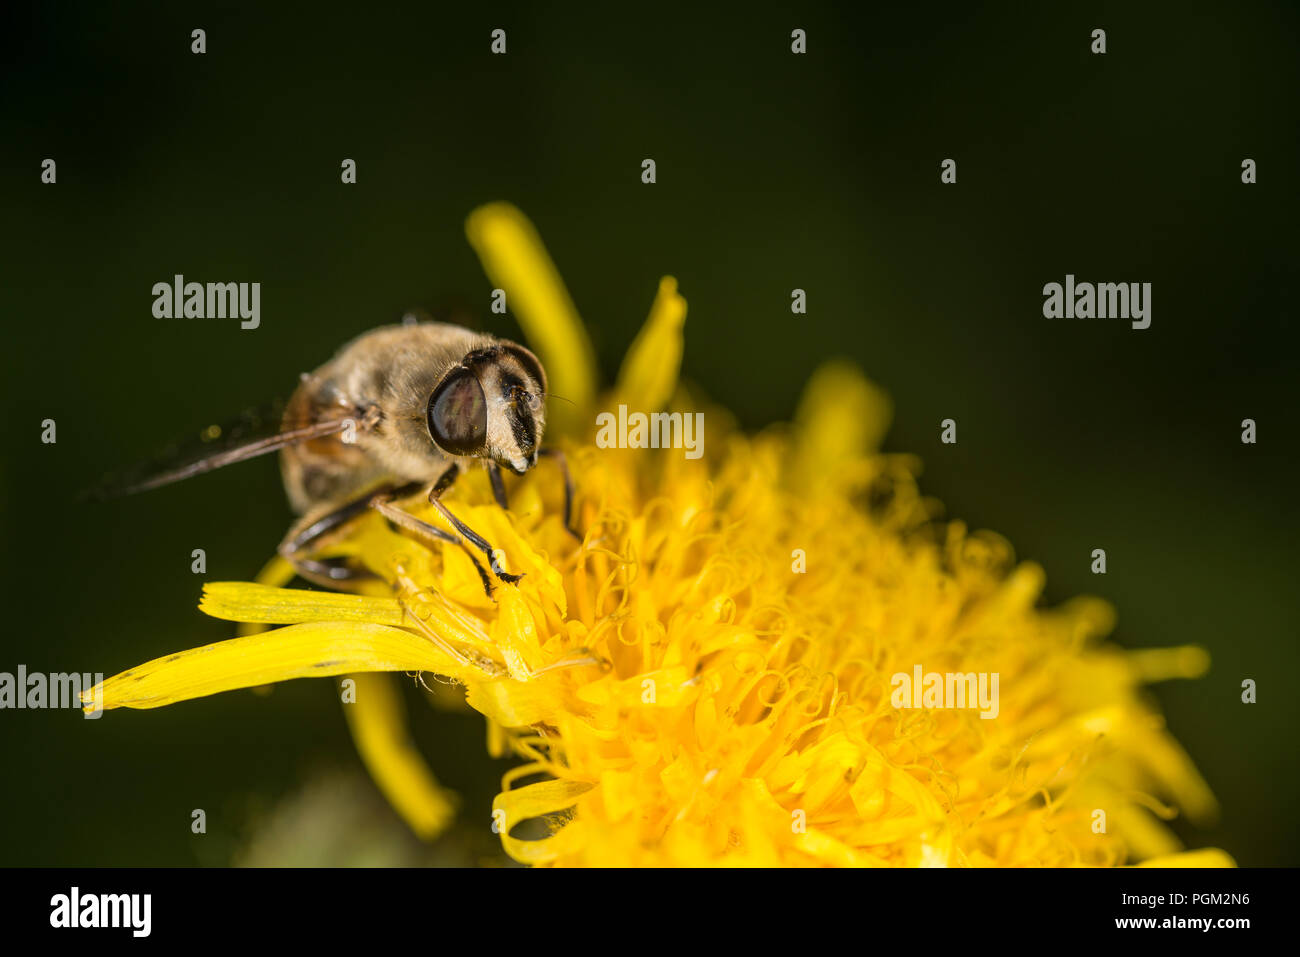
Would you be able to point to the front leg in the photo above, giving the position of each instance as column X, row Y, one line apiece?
column 568, row 489
column 474, row 538
column 428, row 534
column 498, row 485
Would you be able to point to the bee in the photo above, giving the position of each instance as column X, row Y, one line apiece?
column 397, row 412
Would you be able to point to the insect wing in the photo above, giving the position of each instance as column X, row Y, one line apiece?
column 256, row 432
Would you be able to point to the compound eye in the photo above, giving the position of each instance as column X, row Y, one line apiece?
column 458, row 414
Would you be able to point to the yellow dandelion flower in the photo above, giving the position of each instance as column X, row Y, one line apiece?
column 711, row 675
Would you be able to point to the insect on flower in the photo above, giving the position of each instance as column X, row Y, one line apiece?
column 398, row 412
column 680, row 692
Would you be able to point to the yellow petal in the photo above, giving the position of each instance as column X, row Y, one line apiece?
column 377, row 721
column 650, row 369
column 515, row 260
column 513, row 704
column 1145, row 836
column 275, row 573
column 1161, row 664
column 245, row 601
column 1205, row 857
column 298, row 651
column 842, row 416
column 828, row 850
column 515, row 632
column 532, row 801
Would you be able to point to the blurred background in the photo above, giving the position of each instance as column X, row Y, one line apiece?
column 775, row 171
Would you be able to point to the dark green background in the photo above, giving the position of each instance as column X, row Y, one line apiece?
column 775, row 171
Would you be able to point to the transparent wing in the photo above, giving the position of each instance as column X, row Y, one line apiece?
column 256, row 432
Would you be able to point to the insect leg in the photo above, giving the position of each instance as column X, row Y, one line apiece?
column 383, row 505
column 498, row 485
column 473, row 537
column 568, row 489
column 303, row 536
